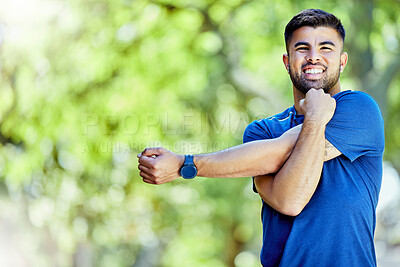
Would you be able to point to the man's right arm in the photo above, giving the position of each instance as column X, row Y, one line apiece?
column 159, row 165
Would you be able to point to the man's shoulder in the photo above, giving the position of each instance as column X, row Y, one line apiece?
column 352, row 95
column 359, row 102
column 266, row 128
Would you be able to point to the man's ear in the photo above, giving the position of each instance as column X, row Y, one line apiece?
column 343, row 61
column 286, row 61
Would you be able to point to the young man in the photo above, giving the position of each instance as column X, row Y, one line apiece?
column 319, row 184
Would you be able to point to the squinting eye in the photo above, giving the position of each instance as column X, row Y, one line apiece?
column 301, row 49
column 326, row 48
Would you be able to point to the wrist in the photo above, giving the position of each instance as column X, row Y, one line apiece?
column 197, row 160
column 313, row 125
column 315, row 120
column 188, row 169
column 181, row 161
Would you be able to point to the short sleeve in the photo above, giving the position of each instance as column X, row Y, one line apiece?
column 356, row 127
column 257, row 130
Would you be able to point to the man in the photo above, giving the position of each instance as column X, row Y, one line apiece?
column 319, row 199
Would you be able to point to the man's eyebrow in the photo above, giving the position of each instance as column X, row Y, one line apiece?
column 301, row 43
column 327, row 43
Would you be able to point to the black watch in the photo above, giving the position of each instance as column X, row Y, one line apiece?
column 188, row 170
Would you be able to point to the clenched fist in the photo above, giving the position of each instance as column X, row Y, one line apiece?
column 318, row 106
column 159, row 165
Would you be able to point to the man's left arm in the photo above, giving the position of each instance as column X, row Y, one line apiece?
column 356, row 129
column 331, row 151
column 291, row 188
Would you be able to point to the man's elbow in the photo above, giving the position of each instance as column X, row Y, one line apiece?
column 290, row 209
column 279, row 201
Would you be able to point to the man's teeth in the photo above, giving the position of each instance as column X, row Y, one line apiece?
column 313, row 71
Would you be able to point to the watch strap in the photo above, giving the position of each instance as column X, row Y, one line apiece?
column 188, row 160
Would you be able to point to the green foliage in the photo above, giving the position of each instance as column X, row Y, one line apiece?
column 86, row 85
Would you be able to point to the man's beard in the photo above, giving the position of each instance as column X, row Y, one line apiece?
column 303, row 85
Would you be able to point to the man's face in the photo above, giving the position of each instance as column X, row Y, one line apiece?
column 315, row 59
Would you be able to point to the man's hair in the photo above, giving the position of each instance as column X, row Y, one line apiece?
column 313, row 18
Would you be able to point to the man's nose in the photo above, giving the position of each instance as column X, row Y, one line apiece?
column 313, row 56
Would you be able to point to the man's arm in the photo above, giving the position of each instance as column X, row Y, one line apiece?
column 331, row 151
column 159, row 165
column 293, row 186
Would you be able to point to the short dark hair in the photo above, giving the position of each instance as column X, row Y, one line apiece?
column 313, row 18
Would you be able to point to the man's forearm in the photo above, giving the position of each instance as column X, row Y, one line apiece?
column 249, row 159
column 159, row 165
column 293, row 186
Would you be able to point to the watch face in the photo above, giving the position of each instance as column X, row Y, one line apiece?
column 188, row 171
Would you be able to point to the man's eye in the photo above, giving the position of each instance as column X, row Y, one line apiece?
column 301, row 49
column 326, row 48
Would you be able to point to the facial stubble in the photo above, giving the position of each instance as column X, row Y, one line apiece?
column 327, row 82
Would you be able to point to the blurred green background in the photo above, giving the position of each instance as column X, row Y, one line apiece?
column 86, row 85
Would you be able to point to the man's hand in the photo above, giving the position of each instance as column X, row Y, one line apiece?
column 318, row 106
column 159, row 165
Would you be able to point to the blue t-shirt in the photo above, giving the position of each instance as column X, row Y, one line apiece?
column 336, row 227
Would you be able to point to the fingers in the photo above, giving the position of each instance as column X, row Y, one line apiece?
column 148, row 181
column 146, row 178
column 301, row 103
column 314, row 90
column 147, row 161
column 149, row 175
column 144, row 168
column 146, row 173
column 149, row 178
column 152, row 151
column 158, row 165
